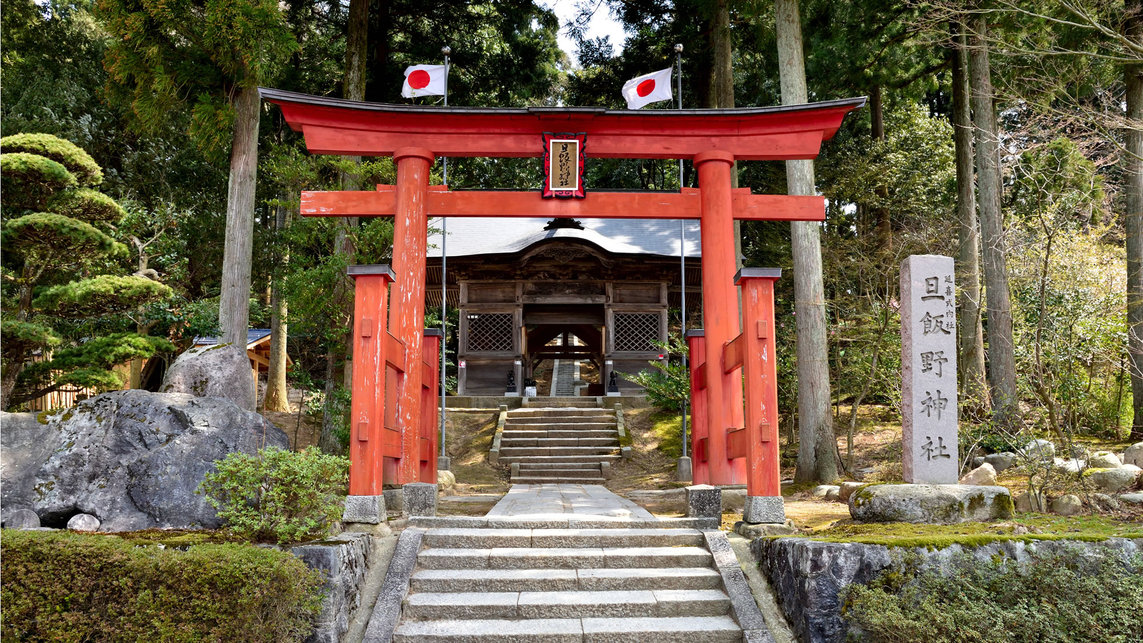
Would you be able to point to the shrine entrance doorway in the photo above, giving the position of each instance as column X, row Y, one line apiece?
column 732, row 442
column 560, row 335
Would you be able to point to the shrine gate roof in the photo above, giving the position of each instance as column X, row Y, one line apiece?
column 337, row 126
column 470, row 236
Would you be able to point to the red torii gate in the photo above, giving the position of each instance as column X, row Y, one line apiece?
column 389, row 444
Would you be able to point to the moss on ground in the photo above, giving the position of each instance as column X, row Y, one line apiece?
column 182, row 538
column 668, row 427
column 468, row 440
column 1023, row 528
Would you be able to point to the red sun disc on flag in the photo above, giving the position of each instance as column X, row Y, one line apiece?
column 419, row 79
column 645, row 87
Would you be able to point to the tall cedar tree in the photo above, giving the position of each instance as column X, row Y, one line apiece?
column 209, row 57
column 1133, row 161
column 1001, row 350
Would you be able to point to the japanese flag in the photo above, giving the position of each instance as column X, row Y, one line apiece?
column 424, row 80
column 648, row 88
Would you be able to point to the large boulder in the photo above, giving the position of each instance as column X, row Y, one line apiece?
column 26, row 441
column 1000, row 461
column 1042, row 450
column 1104, row 460
column 1113, row 480
column 1067, row 505
column 1134, row 454
column 984, row 475
column 219, row 370
column 132, row 459
column 929, row 503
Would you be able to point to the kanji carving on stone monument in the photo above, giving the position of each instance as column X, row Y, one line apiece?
column 928, row 370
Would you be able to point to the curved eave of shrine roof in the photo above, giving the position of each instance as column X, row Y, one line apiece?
column 474, row 236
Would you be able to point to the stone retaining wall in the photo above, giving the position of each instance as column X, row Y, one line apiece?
column 344, row 560
column 808, row 576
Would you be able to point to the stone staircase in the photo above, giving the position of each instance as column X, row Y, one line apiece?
column 544, row 584
column 564, row 377
column 569, row 444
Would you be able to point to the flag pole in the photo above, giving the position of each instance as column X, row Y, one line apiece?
column 443, row 459
column 682, row 251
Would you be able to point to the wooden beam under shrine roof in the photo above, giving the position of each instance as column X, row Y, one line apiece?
column 597, row 205
column 785, row 132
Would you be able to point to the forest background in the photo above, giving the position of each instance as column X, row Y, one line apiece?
column 1004, row 134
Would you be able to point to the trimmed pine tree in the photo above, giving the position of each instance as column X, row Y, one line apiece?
column 55, row 231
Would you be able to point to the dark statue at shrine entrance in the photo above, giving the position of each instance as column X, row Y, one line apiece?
column 393, row 412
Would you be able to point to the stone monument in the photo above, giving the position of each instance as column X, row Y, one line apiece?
column 928, row 370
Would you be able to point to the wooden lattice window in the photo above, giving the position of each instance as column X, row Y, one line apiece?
column 490, row 332
column 636, row 331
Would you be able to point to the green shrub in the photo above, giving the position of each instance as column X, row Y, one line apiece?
column 1062, row 597
column 62, row 586
column 277, row 495
column 30, row 179
column 667, row 383
column 64, row 152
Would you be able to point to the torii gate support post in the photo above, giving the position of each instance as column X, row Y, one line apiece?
column 366, row 440
column 696, row 349
column 430, row 385
column 759, row 368
column 719, row 313
column 410, row 238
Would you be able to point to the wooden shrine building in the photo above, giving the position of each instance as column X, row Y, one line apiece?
column 593, row 291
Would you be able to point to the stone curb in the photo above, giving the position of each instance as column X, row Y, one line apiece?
column 494, row 452
column 387, row 610
column 620, row 423
column 742, row 605
column 593, row 522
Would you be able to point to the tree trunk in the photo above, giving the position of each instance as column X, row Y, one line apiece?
column 234, row 302
column 357, row 50
column 721, row 91
column 1001, row 355
column 817, row 448
column 331, row 419
column 1133, row 221
column 877, row 132
column 341, row 352
column 971, row 358
column 277, row 393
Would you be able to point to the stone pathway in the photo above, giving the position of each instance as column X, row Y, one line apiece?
column 565, row 562
column 553, row 501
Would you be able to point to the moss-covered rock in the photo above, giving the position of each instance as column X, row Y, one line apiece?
column 920, row 503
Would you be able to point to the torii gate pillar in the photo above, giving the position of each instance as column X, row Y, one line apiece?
column 719, row 313
column 410, row 231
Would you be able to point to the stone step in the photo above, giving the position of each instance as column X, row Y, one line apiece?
column 568, row 424
column 565, row 466
column 559, row 433
column 566, row 604
column 555, row 480
column 514, row 441
column 562, row 557
column 553, row 451
column 562, row 402
column 540, row 459
column 561, row 471
column 549, row 412
column 691, row 629
column 534, row 580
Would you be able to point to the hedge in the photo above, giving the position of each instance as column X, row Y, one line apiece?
column 1069, row 597
column 63, row 586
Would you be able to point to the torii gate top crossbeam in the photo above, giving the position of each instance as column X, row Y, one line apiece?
column 335, row 126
